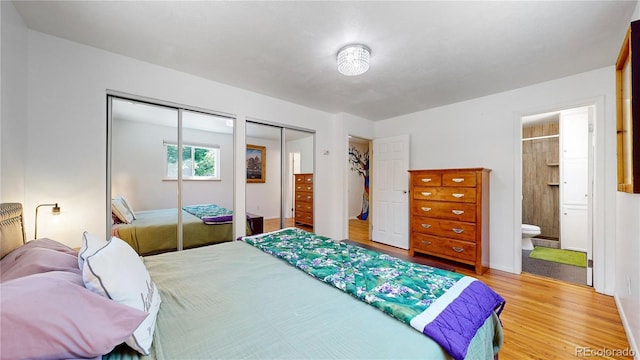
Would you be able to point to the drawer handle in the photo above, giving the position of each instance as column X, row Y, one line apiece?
column 457, row 249
column 457, row 231
column 426, row 180
column 299, row 180
column 425, row 242
column 309, row 188
column 426, row 209
column 426, row 226
column 424, row 193
column 457, row 180
column 457, row 195
column 308, row 197
column 458, row 212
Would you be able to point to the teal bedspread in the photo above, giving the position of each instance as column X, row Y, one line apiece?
column 210, row 213
column 446, row 306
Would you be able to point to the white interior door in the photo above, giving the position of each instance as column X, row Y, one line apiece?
column 390, row 184
column 576, row 186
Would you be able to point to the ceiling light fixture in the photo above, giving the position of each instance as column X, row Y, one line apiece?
column 353, row 59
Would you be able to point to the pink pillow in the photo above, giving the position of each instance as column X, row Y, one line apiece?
column 42, row 243
column 38, row 256
column 52, row 316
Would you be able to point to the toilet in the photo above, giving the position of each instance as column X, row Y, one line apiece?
column 529, row 231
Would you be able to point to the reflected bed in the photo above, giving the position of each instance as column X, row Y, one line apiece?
column 155, row 231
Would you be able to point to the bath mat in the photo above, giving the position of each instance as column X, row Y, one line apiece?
column 568, row 257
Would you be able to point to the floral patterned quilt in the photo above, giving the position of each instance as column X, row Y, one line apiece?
column 210, row 213
column 446, row 306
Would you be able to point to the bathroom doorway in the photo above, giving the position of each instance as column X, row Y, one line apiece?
column 557, row 168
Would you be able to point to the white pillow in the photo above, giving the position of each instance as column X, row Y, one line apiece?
column 90, row 244
column 127, row 205
column 117, row 272
column 122, row 212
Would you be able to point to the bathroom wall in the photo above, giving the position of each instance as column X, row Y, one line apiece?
column 540, row 177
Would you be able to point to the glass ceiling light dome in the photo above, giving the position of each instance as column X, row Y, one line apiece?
column 353, row 59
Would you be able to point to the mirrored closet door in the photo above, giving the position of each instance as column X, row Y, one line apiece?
column 169, row 175
column 284, row 197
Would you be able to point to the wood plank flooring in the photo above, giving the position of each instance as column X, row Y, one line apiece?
column 544, row 318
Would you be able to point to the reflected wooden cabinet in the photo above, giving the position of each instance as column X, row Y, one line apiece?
column 304, row 199
column 449, row 215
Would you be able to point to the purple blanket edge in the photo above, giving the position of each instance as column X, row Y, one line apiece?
column 217, row 219
column 453, row 330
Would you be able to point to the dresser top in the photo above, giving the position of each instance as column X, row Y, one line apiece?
column 458, row 169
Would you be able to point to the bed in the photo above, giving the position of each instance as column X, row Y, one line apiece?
column 155, row 231
column 244, row 299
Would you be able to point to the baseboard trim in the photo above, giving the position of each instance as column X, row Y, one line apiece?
column 627, row 329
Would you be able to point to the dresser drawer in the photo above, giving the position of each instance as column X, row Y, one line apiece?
column 445, row 210
column 304, row 178
column 467, row 195
column 462, row 178
column 304, row 206
column 453, row 249
column 447, row 228
column 304, row 196
column 427, row 179
column 304, row 187
column 304, row 217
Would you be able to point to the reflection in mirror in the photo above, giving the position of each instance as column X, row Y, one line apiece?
column 145, row 164
column 299, row 189
column 207, row 178
column 139, row 132
column 263, row 196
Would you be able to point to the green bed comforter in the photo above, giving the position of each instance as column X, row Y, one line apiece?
column 233, row 301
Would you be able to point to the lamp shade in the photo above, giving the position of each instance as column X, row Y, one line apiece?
column 353, row 59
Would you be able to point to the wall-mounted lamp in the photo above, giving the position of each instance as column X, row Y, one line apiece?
column 54, row 211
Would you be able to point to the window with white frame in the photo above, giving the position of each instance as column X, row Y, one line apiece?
column 198, row 161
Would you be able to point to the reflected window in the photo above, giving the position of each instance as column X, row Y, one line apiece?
column 198, row 162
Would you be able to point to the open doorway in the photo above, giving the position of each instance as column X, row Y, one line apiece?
column 358, row 189
column 557, row 178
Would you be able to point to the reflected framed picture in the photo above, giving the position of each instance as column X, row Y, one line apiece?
column 256, row 163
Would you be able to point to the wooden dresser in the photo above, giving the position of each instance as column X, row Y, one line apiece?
column 449, row 215
column 304, row 199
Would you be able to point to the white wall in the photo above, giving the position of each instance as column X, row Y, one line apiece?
column 138, row 164
column 628, row 265
column 485, row 132
column 68, row 82
column 13, row 104
column 303, row 146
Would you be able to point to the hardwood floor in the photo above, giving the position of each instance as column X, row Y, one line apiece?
column 543, row 319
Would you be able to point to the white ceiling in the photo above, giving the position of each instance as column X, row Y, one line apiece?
column 424, row 53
